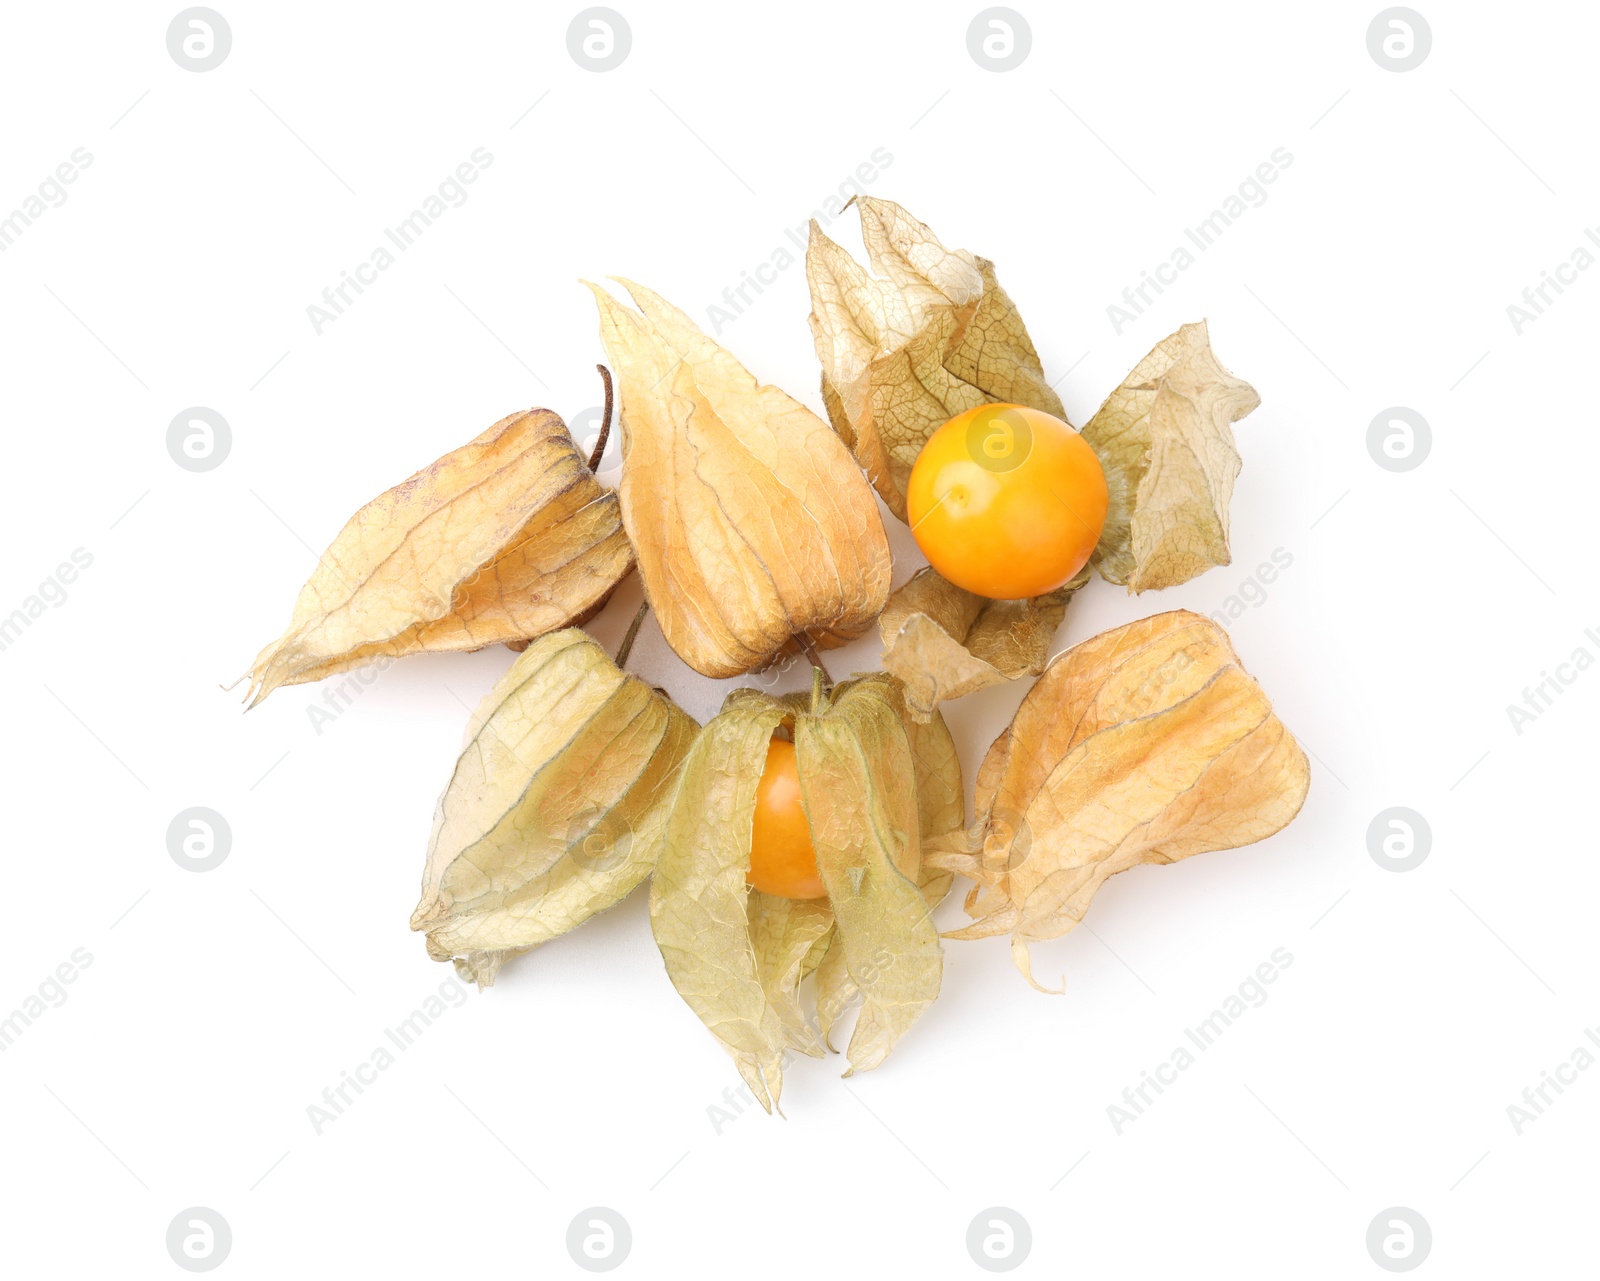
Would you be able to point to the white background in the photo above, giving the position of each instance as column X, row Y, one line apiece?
column 218, row 1006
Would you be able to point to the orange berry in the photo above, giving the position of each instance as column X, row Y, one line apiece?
column 1007, row 501
column 782, row 861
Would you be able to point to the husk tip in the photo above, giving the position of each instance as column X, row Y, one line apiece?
column 1024, row 962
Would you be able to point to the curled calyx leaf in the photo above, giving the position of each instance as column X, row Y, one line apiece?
column 932, row 336
column 750, row 520
column 737, row 956
column 1165, row 441
column 555, row 809
column 943, row 641
column 1146, row 744
column 505, row 539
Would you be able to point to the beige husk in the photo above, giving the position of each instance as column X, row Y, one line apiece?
column 1146, row 744
column 749, row 518
column 504, row 539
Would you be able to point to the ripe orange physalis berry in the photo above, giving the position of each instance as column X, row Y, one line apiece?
column 782, row 861
column 1007, row 501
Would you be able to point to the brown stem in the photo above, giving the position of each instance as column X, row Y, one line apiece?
column 605, row 422
column 632, row 635
column 810, row 651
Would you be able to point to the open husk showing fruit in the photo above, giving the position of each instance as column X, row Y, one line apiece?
column 872, row 788
column 929, row 333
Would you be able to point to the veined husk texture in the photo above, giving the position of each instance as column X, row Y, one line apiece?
column 1147, row 744
column 930, row 335
column 749, row 518
column 555, row 809
column 1165, row 441
column 943, row 641
column 873, row 783
column 505, row 539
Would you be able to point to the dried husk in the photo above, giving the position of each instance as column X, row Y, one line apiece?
column 928, row 334
column 942, row 807
column 932, row 336
column 1165, row 441
column 784, row 933
column 1146, row 744
column 505, row 539
column 750, row 520
column 943, row 641
column 737, row 956
column 555, row 809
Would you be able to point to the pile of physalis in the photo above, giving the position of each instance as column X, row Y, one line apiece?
column 809, row 836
